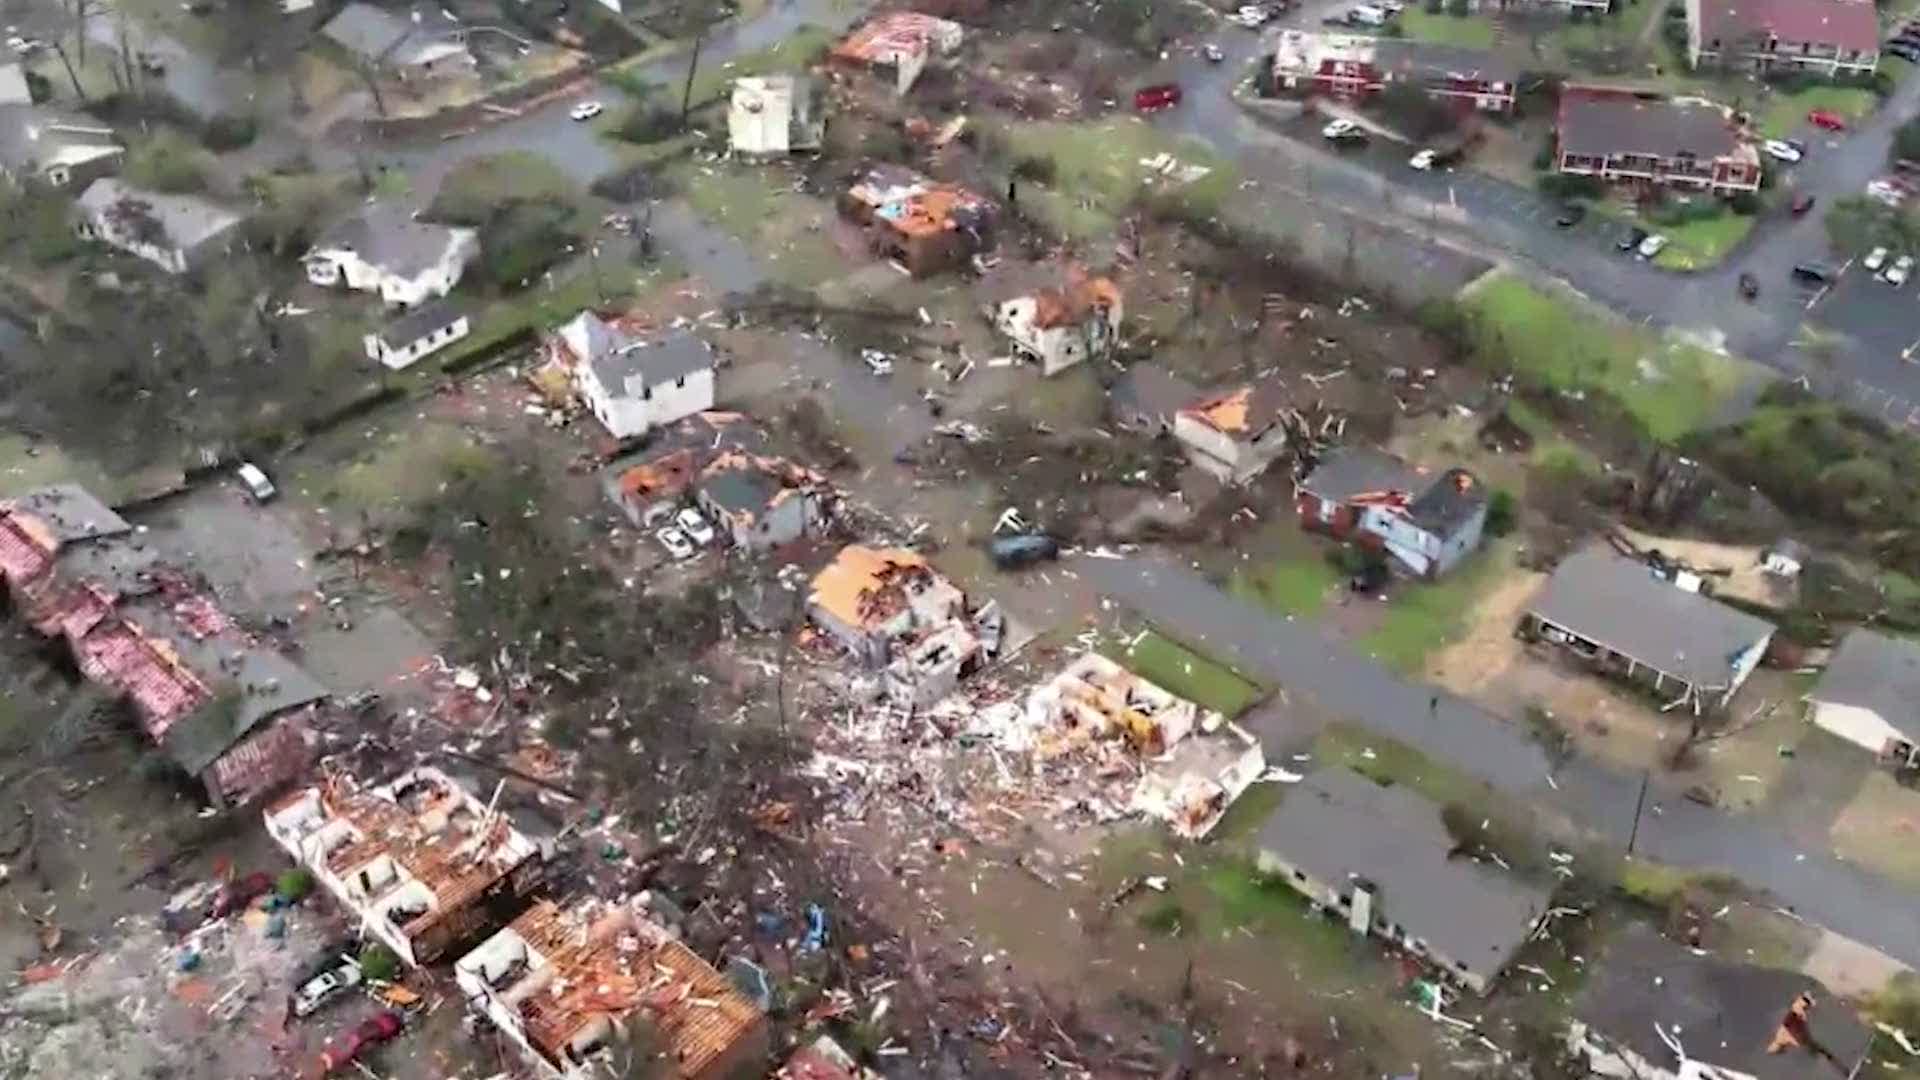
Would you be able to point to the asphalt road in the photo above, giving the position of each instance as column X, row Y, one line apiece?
column 1297, row 655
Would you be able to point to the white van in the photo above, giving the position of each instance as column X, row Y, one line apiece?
column 256, row 482
column 1368, row 15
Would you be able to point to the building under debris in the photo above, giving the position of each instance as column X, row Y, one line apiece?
column 1234, row 436
column 603, row 980
column 775, row 114
column 869, row 599
column 419, row 860
column 906, row 41
column 925, row 225
column 761, row 502
column 1060, row 327
column 1424, row 523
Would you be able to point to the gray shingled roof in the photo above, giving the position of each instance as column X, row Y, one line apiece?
column 1432, row 59
column 1350, row 471
column 1448, row 502
column 385, row 234
column 188, row 221
column 1597, row 126
column 1722, row 1013
column 1149, row 393
column 1338, row 825
column 617, row 356
column 1878, row 673
column 367, row 31
column 72, row 512
column 420, row 322
column 747, row 490
column 1619, row 603
column 32, row 136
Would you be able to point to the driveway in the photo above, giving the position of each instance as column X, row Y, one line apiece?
column 1297, row 655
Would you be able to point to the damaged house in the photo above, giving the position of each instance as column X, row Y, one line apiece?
column 1653, row 1010
column 383, row 249
column 630, row 380
column 762, row 502
column 223, row 708
column 775, row 114
column 893, row 612
column 925, row 225
column 1869, row 695
column 54, row 147
column 655, row 483
column 565, row 985
column 1234, row 436
column 1379, row 857
column 904, row 41
column 177, row 233
column 1648, row 622
column 1060, row 327
column 1193, row 763
column 1424, row 524
column 421, row 863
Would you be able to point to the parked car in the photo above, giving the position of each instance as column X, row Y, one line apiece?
column 1251, row 16
column 1813, row 273
column 1780, row 150
column 368, row 1034
column 695, row 526
column 320, row 989
column 1875, row 259
column 1800, row 205
column 237, row 894
column 255, row 481
column 1156, row 97
column 1212, row 52
column 1391, row 7
column 1570, row 215
column 1749, row 286
column 587, row 110
column 877, row 362
column 1905, row 49
column 1827, row 120
column 1631, row 240
column 1422, row 160
column 1368, row 15
column 1652, row 245
column 1344, row 130
column 1897, row 273
column 675, row 542
column 1014, row 552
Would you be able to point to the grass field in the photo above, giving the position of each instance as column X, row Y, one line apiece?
column 1469, row 31
column 1787, row 113
column 1295, row 586
column 712, row 81
column 1181, row 671
column 1424, row 616
column 1098, row 171
column 1386, row 761
column 1698, row 245
column 1672, row 388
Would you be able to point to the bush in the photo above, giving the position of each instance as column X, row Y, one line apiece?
column 1033, row 167
column 294, row 885
column 1744, row 203
column 229, row 132
column 1503, row 512
column 167, row 162
column 1906, row 140
column 1166, row 917
column 1562, row 186
column 522, row 239
column 378, row 964
column 648, row 124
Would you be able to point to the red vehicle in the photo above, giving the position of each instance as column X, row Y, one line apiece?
column 1827, row 120
column 237, row 894
column 1155, row 98
column 371, row 1032
column 1801, row 204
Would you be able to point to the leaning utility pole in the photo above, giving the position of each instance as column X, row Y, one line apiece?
column 693, row 65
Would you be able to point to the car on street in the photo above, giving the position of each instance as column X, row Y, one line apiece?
column 1781, row 151
column 1156, row 97
column 1897, row 273
column 254, row 480
column 1250, row 16
column 1905, row 49
column 695, row 526
column 1827, row 120
column 1213, row 53
column 366, row 1035
column 587, row 110
column 1368, row 15
column 1800, row 205
column 1652, row 245
column 1875, row 259
column 323, row 987
column 1631, row 240
column 877, row 362
column 1344, row 130
column 1422, row 160
column 1813, row 273
column 1570, row 215
column 675, row 542
column 1749, row 286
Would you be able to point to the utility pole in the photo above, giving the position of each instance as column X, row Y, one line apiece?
column 693, row 65
column 1639, row 805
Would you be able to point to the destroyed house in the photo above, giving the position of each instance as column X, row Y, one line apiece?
column 226, row 710
column 868, row 599
column 1379, row 857
column 1631, row 137
column 1869, row 695
column 1425, row 524
column 1094, row 698
column 775, row 114
column 1234, row 436
column 1060, row 327
column 564, row 986
column 928, row 666
column 761, row 502
column 1648, row 623
column 1654, row 1010
column 1352, row 67
column 905, row 41
column 925, row 225
column 421, row 863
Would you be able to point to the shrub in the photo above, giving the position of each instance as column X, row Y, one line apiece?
column 1745, row 203
column 1561, row 186
column 167, row 162
column 648, row 124
column 1503, row 512
column 1166, row 917
column 522, row 238
column 1033, row 167
column 378, row 964
column 294, row 884
column 1906, row 140
column 229, row 132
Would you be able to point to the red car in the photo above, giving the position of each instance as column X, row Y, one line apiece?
column 371, row 1032
column 235, row 895
column 1827, row 120
column 1801, row 204
column 1155, row 98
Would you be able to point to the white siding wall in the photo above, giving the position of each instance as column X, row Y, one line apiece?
column 1862, row 727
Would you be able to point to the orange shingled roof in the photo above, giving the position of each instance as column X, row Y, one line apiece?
column 1245, row 410
column 887, row 35
column 665, row 476
column 852, row 588
column 1081, row 297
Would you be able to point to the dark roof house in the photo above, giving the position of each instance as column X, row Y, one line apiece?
column 423, row 36
column 1605, row 124
column 1835, row 35
column 1870, row 694
column 1646, row 995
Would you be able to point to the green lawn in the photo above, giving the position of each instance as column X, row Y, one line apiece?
column 1469, row 31
column 1098, row 172
column 1786, row 113
column 1387, row 761
column 1295, row 586
column 1563, row 344
column 1424, row 616
column 1185, row 673
column 1700, row 244
column 711, row 82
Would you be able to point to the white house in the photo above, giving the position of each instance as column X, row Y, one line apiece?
column 1062, row 327
column 419, row 861
column 775, row 114
column 55, row 147
column 1234, row 436
column 1870, row 695
column 382, row 249
column 175, row 232
column 632, row 383
column 426, row 329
